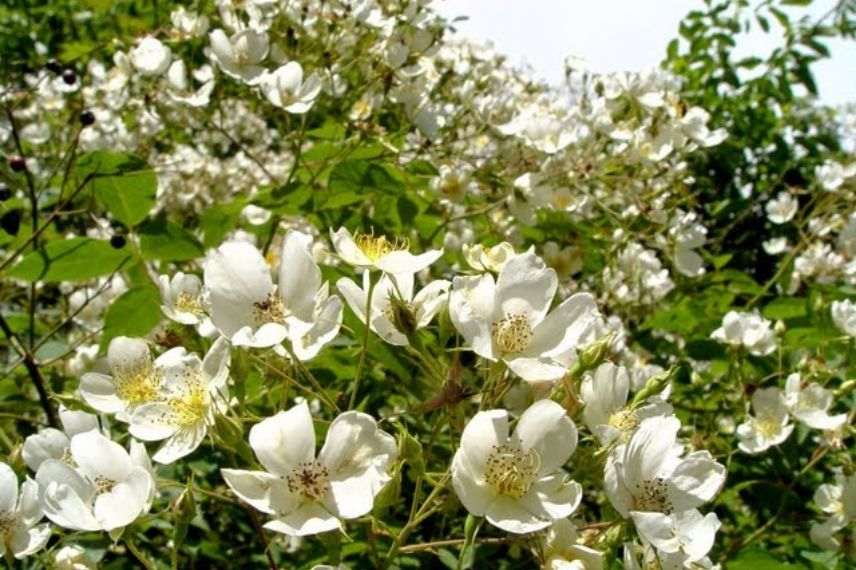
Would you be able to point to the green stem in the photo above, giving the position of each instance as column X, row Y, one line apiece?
column 355, row 386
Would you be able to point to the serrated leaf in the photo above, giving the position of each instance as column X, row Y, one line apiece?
column 75, row 259
column 123, row 183
column 135, row 313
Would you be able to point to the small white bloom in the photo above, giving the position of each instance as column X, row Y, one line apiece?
column 107, row 489
column 749, row 330
column 51, row 443
column 188, row 24
column 239, row 56
column 286, row 88
column 508, row 318
column 378, row 252
column 191, row 393
column 73, row 557
column 844, row 316
column 769, row 425
column 775, row 246
column 256, row 215
column 151, row 56
column 831, row 175
column 648, row 474
column 180, row 88
column 563, row 552
column 422, row 307
column 782, row 208
column 19, row 513
column 516, row 480
column 838, row 500
column 305, row 493
column 680, row 538
column 182, row 298
column 492, row 258
column 810, row 404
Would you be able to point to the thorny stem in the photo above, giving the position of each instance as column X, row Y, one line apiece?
column 33, row 371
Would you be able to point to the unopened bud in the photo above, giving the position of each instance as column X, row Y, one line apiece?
column 780, row 327
column 596, row 352
column 402, row 316
column 655, row 384
column 845, row 388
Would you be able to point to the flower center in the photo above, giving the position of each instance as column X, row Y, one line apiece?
column 512, row 333
column 376, row 247
column 511, row 471
column 623, row 420
column 189, row 303
column 768, row 426
column 309, row 479
column 103, row 485
column 189, row 408
column 271, row 310
column 137, row 385
column 653, row 496
column 7, row 523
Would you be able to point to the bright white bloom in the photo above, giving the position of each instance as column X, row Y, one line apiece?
column 421, row 308
column 181, row 90
column 492, row 258
column 182, row 298
column 191, row 392
column 680, row 538
column 563, row 552
column 770, row 424
column 844, row 316
column 775, row 246
column 378, row 252
column 637, row 276
column 286, row 88
column 838, row 500
column 606, row 413
column 831, row 175
column 648, row 473
column 239, row 56
column 810, row 404
column 516, row 480
column 782, row 208
column 688, row 234
column 308, row 494
column 19, row 513
column 103, row 487
column 134, row 378
column 73, row 557
column 508, row 318
column 188, row 24
column 51, row 443
column 250, row 310
column 150, row 56
column 749, row 330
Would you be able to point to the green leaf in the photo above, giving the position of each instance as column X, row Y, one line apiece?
column 217, row 221
column 784, row 308
column 757, row 559
column 166, row 241
column 135, row 313
column 75, row 259
column 123, row 183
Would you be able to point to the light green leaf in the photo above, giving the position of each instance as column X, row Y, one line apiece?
column 76, row 259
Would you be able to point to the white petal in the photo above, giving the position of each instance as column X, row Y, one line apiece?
column 565, row 326
column 471, row 308
column 347, row 248
column 97, row 456
column 48, row 443
column 355, row 446
column 471, row 490
column 8, row 489
column 697, row 478
column 324, row 329
column 310, row 518
column 511, row 516
column 181, row 444
column 252, row 487
column 299, row 275
column 397, row 262
column 99, row 392
column 284, row 440
column 26, row 541
column 481, row 435
column 650, row 449
column 526, row 286
column 75, row 422
column 546, row 428
column 124, row 502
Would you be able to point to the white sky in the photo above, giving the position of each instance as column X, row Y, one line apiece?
column 617, row 35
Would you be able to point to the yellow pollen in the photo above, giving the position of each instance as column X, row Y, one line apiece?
column 103, row 484
column 653, row 496
column 376, row 247
column 309, row 479
column 512, row 333
column 189, row 408
column 189, row 303
column 624, row 420
column 137, row 385
column 768, row 426
column 511, row 471
column 271, row 310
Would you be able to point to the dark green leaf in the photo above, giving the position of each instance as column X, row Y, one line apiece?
column 76, row 259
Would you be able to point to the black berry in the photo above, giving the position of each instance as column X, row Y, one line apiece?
column 87, row 118
column 69, row 76
column 5, row 193
column 11, row 222
column 117, row 241
column 17, row 163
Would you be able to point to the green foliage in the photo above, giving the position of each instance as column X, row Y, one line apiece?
column 75, row 259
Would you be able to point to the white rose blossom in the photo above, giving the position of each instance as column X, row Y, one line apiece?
column 769, row 425
column 305, row 493
column 182, row 298
column 286, row 88
column 749, row 330
column 378, row 252
column 510, row 319
column 240, row 55
column 782, row 208
column 20, row 513
column 837, row 500
column 516, row 479
column 810, row 404
column 51, row 443
column 150, row 56
column 562, row 551
column 844, row 316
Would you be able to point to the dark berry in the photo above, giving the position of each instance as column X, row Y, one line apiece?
column 53, row 66
column 5, row 193
column 117, row 241
column 69, row 76
column 87, row 118
column 11, row 222
column 17, row 163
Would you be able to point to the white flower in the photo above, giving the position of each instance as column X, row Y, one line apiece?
column 378, row 252
column 73, row 557
column 688, row 235
column 831, row 175
column 188, row 24
column 239, row 56
column 749, row 330
column 839, row 502
column 516, row 481
column 286, row 88
column 19, row 513
column 507, row 319
column 606, row 413
column 256, row 215
column 134, row 378
column 648, row 474
column 492, row 258
column 769, row 426
column 51, row 443
column 180, row 89
column 782, row 208
column 811, row 404
column 190, row 394
column 563, row 552
column 680, row 538
column 107, row 488
column 182, row 298
column 150, row 56
column 420, row 308
column 308, row 494
column 775, row 246
column 844, row 316
column 694, row 125
column 250, row 310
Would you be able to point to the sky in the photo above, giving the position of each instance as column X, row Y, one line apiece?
column 619, row 35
